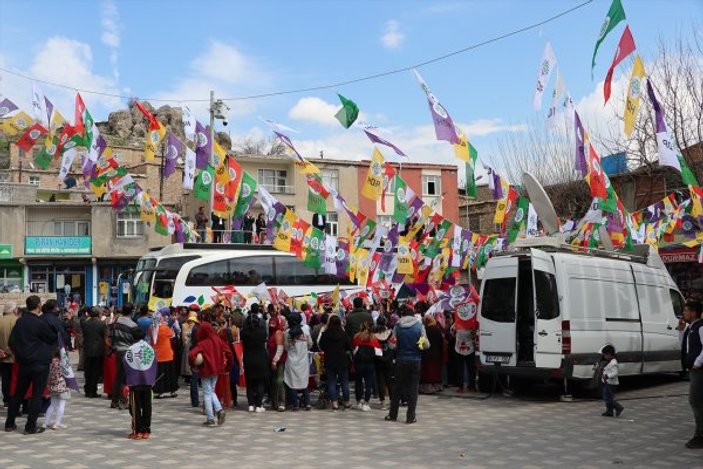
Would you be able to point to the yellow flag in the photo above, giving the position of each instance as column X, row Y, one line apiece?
column 220, row 154
column 405, row 259
column 634, row 92
column 362, row 266
column 501, row 205
column 16, row 124
column 98, row 190
column 306, row 167
column 336, row 296
column 461, row 149
column 57, row 120
column 146, row 203
column 352, row 263
column 153, row 138
column 156, row 303
column 696, row 205
column 373, row 187
column 285, row 231
column 694, row 242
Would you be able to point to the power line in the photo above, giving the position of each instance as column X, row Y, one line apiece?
column 324, row 87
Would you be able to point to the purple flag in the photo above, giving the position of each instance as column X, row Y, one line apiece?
column 376, row 139
column 7, row 106
column 100, row 145
column 580, row 154
column 658, row 113
column 49, row 110
column 342, row 258
column 415, row 206
column 288, row 143
column 178, row 232
column 466, row 245
column 140, row 365
column 393, row 235
column 494, row 183
column 174, row 148
column 203, row 146
column 274, row 218
column 66, row 368
column 443, row 125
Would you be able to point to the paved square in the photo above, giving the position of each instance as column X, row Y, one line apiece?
column 533, row 430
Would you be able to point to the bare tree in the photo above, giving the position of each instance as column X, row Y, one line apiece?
column 259, row 146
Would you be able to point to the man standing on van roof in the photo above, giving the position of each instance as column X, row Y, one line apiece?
column 694, row 362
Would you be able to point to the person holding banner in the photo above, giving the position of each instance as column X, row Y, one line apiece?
column 140, row 367
column 60, row 395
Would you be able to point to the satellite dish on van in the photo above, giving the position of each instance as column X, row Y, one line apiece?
column 605, row 238
column 540, row 201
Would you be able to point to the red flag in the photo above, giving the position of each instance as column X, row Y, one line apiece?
column 315, row 183
column 296, row 241
column 596, row 175
column 235, row 178
column 513, row 195
column 153, row 123
column 625, row 48
column 30, row 136
column 465, row 317
column 78, row 125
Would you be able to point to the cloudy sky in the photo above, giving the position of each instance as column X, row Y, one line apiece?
column 179, row 51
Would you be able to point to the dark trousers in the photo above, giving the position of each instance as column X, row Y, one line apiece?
column 247, row 237
column 255, row 391
column 118, row 384
column 140, row 408
column 363, row 381
column 216, row 236
column 334, row 376
column 695, row 398
column 6, row 375
column 467, row 363
column 92, row 368
column 407, row 382
column 609, row 398
column 36, row 375
column 194, row 383
column 384, row 379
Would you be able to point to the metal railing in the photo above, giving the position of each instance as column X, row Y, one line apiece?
column 279, row 189
column 233, row 236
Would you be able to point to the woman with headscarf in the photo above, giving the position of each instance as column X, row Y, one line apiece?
column 253, row 337
column 336, row 345
column 209, row 355
column 223, row 388
column 297, row 373
column 384, row 363
column 432, row 358
column 277, row 356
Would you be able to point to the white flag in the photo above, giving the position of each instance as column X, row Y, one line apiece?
column 189, row 169
column 555, row 106
column 531, row 221
column 39, row 105
column 261, row 292
column 330, row 255
column 188, row 123
column 546, row 65
column 94, row 150
column 456, row 247
column 66, row 163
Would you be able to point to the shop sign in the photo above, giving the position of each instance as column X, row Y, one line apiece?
column 57, row 245
column 5, row 251
column 679, row 256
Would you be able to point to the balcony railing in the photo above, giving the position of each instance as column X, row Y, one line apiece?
column 279, row 189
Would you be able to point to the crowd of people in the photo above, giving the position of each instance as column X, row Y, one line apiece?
column 246, row 230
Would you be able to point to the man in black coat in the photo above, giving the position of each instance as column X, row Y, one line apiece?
column 93, row 349
column 32, row 341
column 50, row 315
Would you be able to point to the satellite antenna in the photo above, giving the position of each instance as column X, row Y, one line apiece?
column 540, row 201
column 605, row 239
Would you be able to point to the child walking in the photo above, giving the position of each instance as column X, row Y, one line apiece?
column 60, row 394
column 140, row 375
column 609, row 376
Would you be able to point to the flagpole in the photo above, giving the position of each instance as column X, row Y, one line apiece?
column 212, row 154
column 161, row 169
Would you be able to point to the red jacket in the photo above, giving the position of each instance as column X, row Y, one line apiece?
column 216, row 354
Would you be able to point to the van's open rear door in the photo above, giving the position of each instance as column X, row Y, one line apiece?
column 497, row 311
column 547, row 316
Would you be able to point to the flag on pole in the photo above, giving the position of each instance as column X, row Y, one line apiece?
column 443, row 124
column 6, row 107
column 634, row 93
column 39, row 105
column 203, row 183
column 203, row 146
column 546, row 66
column 615, row 15
column 558, row 100
column 596, row 175
column 376, row 139
column 625, row 48
column 30, row 136
column 282, row 240
column 16, row 124
column 246, row 193
column 348, row 113
column 403, row 195
column 580, row 150
column 189, row 123
column 373, row 186
column 520, row 219
column 189, row 169
column 79, row 115
column 174, row 148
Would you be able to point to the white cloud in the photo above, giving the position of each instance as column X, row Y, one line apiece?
column 602, row 120
column 483, row 127
column 392, row 37
column 224, row 69
column 110, row 22
column 314, row 110
column 68, row 62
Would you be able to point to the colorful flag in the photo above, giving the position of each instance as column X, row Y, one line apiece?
column 153, row 139
column 348, row 113
column 49, row 106
column 79, row 115
column 203, row 183
column 596, row 175
column 6, row 107
column 342, row 258
column 139, row 364
column 65, row 365
column 471, row 190
column 246, row 193
column 16, row 124
column 625, row 48
column 615, row 15
column 315, row 248
column 403, row 195
column 546, row 65
column 39, row 105
column 174, row 148
column 580, row 150
column 189, row 169
column 330, row 261
column 443, row 124
column 373, row 186
column 520, row 219
column 30, row 136
column 203, row 148
column 300, row 228
column 634, row 92
column 465, row 313
column 381, row 141
column 161, row 216
column 317, row 195
column 282, row 240
column 66, row 163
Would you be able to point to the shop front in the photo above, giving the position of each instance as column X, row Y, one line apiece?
column 113, row 283
column 682, row 263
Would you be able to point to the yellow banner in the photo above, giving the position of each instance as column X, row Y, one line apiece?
column 153, row 138
column 461, row 149
column 16, row 124
column 373, row 187
column 285, row 231
column 405, row 259
column 634, row 93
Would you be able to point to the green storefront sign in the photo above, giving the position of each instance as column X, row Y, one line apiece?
column 5, row 251
column 57, row 245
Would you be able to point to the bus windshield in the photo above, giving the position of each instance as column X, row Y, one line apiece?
column 165, row 275
column 142, row 280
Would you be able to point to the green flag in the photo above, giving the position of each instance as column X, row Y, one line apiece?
column 686, row 174
column 401, row 200
column 367, row 228
column 484, row 251
column 161, row 218
column 611, row 203
column 246, row 192
column 470, row 175
column 203, row 183
column 316, row 203
column 349, row 112
column 312, row 251
column 520, row 219
column 43, row 159
column 615, row 15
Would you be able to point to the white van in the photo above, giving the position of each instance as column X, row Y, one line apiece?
column 547, row 309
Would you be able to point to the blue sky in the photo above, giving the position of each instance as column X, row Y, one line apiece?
column 181, row 50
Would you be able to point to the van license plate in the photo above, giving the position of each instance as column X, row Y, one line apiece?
column 497, row 358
